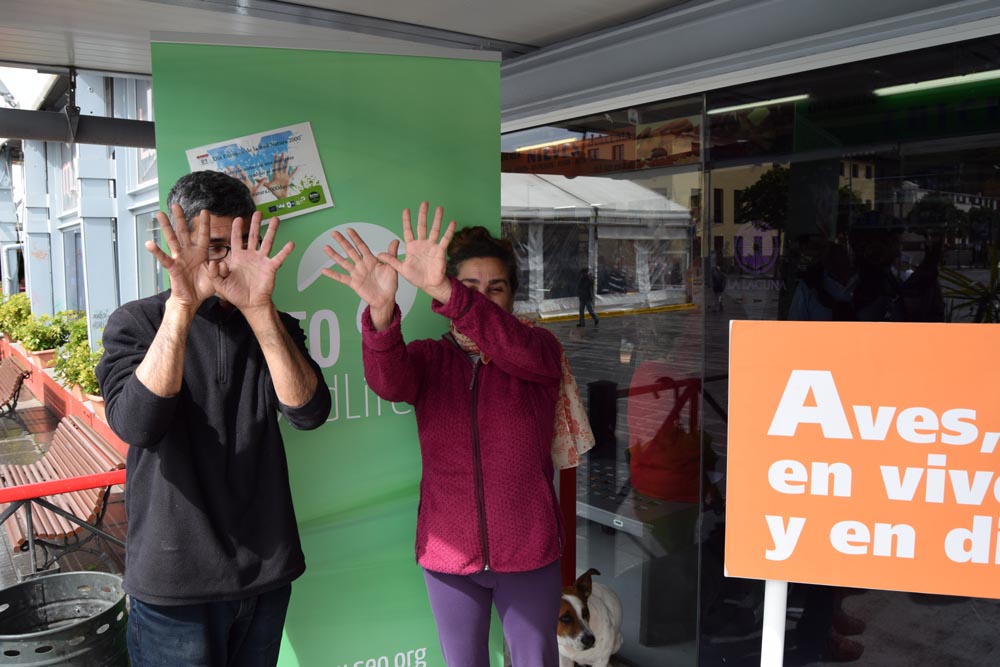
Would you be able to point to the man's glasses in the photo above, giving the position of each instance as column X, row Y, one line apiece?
column 218, row 252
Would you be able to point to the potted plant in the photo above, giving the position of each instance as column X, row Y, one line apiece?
column 72, row 358
column 979, row 300
column 40, row 337
column 87, row 380
column 14, row 312
column 75, row 369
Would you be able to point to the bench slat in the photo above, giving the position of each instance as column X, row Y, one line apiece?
column 82, row 448
column 79, row 501
column 111, row 458
column 53, row 523
column 12, row 376
column 76, row 450
column 49, row 524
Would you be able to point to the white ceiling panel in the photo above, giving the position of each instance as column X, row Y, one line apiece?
column 535, row 22
column 114, row 35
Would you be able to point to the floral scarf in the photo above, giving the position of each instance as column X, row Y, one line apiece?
column 571, row 432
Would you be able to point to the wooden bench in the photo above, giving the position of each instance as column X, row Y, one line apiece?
column 12, row 377
column 76, row 451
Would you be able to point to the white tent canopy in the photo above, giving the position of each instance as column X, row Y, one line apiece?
column 633, row 218
column 542, row 197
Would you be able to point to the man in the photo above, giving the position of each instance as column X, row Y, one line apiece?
column 718, row 285
column 585, row 293
column 194, row 379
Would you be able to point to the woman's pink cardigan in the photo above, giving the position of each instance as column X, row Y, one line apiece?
column 485, row 425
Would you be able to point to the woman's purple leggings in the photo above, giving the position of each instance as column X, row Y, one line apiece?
column 528, row 605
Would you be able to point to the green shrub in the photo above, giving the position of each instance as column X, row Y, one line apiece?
column 43, row 333
column 14, row 313
column 87, row 379
column 75, row 364
column 77, row 326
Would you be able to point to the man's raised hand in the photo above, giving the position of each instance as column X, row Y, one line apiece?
column 190, row 284
column 246, row 276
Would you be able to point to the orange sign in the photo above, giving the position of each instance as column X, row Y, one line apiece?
column 866, row 455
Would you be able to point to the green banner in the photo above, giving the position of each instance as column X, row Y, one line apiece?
column 391, row 131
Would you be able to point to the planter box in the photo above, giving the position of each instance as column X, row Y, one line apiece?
column 42, row 358
column 97, row 403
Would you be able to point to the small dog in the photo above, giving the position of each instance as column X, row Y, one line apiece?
column 590, row 623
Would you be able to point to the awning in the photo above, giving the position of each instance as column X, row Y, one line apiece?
column 594, row 199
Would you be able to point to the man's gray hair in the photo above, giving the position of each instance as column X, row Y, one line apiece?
column 218, row 193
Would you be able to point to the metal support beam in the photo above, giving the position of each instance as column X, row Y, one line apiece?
column 54, row 126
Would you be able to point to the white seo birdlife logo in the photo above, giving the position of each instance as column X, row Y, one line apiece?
column 314, row 260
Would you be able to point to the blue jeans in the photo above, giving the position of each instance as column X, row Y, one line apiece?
column 242, row 633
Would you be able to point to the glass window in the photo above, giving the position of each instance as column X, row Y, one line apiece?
column 145, row 157
column 151, row 274
column 846, row 206
column 70, row 181
column 76, row 298
column 746, row 132
column 821, row 242
column 638, row 233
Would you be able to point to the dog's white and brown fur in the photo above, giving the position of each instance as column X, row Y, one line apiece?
column 590, row 623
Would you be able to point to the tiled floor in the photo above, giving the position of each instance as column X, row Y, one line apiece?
column 24, row 437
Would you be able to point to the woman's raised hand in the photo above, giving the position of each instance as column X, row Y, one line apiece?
column 426, row 254
column 373, row 279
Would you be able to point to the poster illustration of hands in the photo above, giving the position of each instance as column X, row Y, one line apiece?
column 281, row 167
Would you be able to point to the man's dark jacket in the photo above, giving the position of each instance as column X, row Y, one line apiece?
column 209, row 508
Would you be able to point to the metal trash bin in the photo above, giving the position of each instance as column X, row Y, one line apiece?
column 72, row 618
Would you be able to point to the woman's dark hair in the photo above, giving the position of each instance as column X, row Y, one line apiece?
column 473, row 242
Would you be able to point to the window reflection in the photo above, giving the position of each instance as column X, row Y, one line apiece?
column 151, row 277
column 70, row 180
column 637, row 366
column 145, row 157
column 76, row 299
column 635, row 240
column 838, row 204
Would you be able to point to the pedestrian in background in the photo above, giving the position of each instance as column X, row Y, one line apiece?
column 585, row 292
column 718, row 285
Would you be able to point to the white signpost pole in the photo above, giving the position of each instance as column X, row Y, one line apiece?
column 772, row 639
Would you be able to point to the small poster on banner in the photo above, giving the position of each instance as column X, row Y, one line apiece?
column 281, row 167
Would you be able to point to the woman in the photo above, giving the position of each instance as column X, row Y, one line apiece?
column 488, row 527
